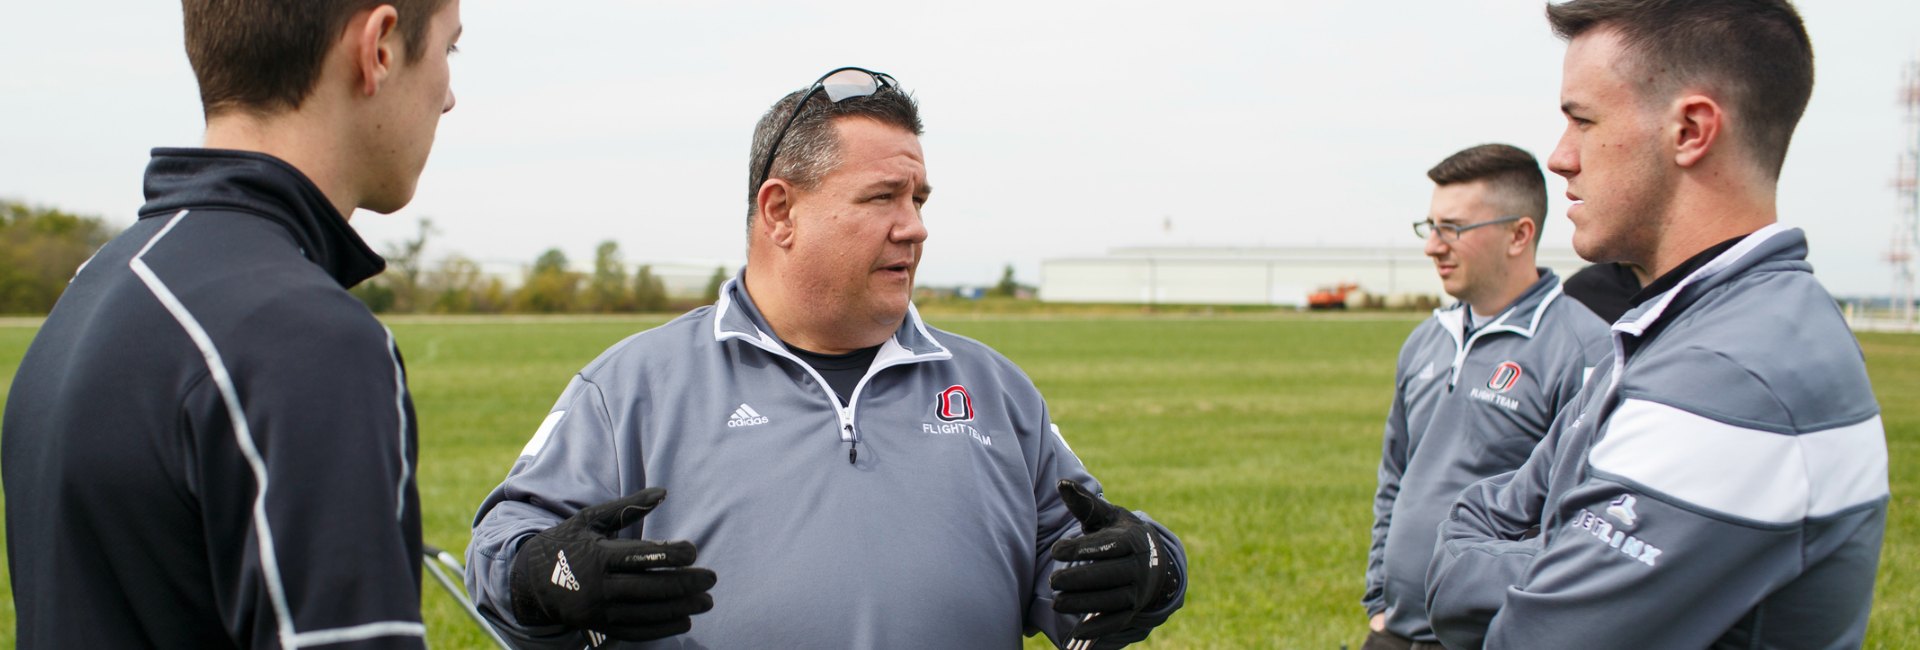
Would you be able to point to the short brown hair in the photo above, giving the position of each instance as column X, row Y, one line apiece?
column 811, row 148
column 1756, row 51
column 1512, row 173
column 265, row 56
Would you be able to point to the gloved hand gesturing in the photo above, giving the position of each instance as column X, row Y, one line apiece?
column 1126, row 570
column 578, row 575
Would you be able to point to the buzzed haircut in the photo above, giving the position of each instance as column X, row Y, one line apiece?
column 811, row 148
column 1755, row 51
column 264, row 56
column 1510, row 172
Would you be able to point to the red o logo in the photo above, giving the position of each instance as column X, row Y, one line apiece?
column 1504, row 377
column 954, row 405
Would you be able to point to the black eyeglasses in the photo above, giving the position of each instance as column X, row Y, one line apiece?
column 1451, row 232
column 840, row 84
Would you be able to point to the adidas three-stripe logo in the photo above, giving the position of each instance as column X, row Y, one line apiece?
column 563, row 574
column 745, row 416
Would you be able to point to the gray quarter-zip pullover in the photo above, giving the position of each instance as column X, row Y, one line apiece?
column 1466, row 406
column 1722, row 482
column 937, row 536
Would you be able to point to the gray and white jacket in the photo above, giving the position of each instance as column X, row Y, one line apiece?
column 1722, row 482
column 1467, row 406
column 937, row 537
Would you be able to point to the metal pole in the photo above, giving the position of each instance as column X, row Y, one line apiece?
column 438, row 563
column 1906, row 183
column 1904, row 240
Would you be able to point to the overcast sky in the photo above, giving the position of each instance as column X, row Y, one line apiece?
column 1054, row 129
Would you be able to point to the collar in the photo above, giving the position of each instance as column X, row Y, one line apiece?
column 1673, row 277
column 736, row 317
column 1522, row 317
column 1774, row 242
column 254, row 183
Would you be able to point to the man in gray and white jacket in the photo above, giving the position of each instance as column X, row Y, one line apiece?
column 1722, row 482
column 1478, row 384
column 849, row 476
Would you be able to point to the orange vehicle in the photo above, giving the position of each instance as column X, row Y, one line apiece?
column 1334, row 297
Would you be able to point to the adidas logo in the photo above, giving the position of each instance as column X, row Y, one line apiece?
column 1428, row 372
column 745, row 416
column 563, row 574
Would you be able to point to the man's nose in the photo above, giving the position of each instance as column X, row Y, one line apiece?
column 910, row 229
column 1436, row 244
column 1565, row 160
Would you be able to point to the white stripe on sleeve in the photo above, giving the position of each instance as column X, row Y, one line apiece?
column 541, row 435
column 359, row 633
column 1758, row 475
column 400, row 409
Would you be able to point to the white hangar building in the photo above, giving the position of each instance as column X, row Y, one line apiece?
column 1279, row 276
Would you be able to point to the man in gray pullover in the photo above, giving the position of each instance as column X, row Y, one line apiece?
column 1477, row 384
column 1722, row 481
column 849, row 476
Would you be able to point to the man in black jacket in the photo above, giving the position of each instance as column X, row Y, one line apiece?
column 1606, row 288
column 210, row 442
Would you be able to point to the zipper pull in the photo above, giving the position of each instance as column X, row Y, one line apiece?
column 853, row 448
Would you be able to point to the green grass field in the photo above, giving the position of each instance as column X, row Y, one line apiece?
column 1254, row 437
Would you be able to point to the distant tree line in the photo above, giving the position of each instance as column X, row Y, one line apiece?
column 40, row 248
column 458, row 286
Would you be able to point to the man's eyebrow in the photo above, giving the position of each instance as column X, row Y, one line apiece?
column 1570, row 107
column 884, row 184
column 895, row 184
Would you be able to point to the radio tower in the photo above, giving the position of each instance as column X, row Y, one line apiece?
column 1906, row 228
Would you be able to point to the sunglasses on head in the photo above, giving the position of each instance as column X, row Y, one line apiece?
column 840, row 84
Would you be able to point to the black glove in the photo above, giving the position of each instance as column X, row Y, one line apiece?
column 1127, row 569
column 578, row 575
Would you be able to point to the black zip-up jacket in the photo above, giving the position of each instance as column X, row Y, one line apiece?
column 210, row 443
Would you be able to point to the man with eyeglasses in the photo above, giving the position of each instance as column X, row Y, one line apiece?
column 850, row 476
column 1478, row 384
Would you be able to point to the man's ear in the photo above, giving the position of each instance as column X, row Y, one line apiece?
column 374, row 38
column 1522, row 236
column 1698, row 123
column 775, row 216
